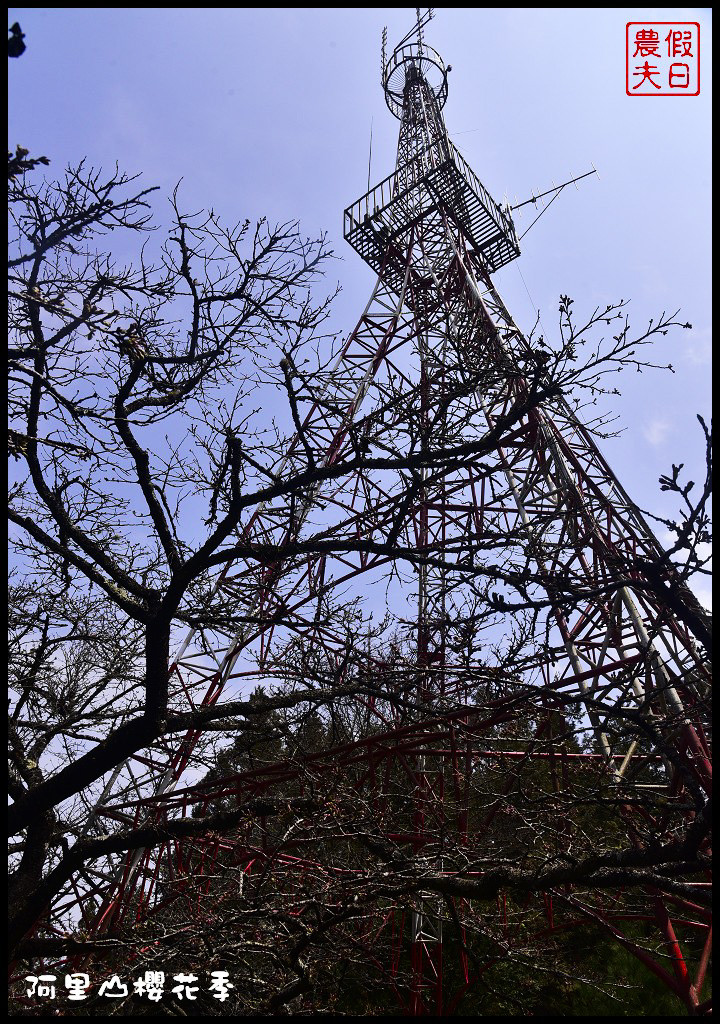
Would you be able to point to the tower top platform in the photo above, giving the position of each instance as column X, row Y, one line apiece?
column 413, row 59
column 420, row 190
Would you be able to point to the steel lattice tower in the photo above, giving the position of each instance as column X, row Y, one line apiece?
column 436, row 355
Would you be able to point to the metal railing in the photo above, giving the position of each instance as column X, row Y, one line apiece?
column 410, row 175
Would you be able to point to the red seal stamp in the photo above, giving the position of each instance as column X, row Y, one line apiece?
column 662, row 58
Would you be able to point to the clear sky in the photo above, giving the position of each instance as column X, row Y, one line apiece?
column 268, row 111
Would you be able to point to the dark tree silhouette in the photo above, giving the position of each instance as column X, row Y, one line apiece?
column 150, row 400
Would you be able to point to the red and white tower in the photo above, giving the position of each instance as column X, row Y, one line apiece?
column 445, row 439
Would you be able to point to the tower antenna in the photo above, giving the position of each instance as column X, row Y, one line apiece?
column 370, row 154
column 555, row 192
column 420, row 23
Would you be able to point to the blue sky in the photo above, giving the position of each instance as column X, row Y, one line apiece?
column 268, row 112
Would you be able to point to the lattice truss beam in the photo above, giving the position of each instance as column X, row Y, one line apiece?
column 493, row 486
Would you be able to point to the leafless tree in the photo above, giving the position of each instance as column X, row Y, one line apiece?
column 153, row 388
